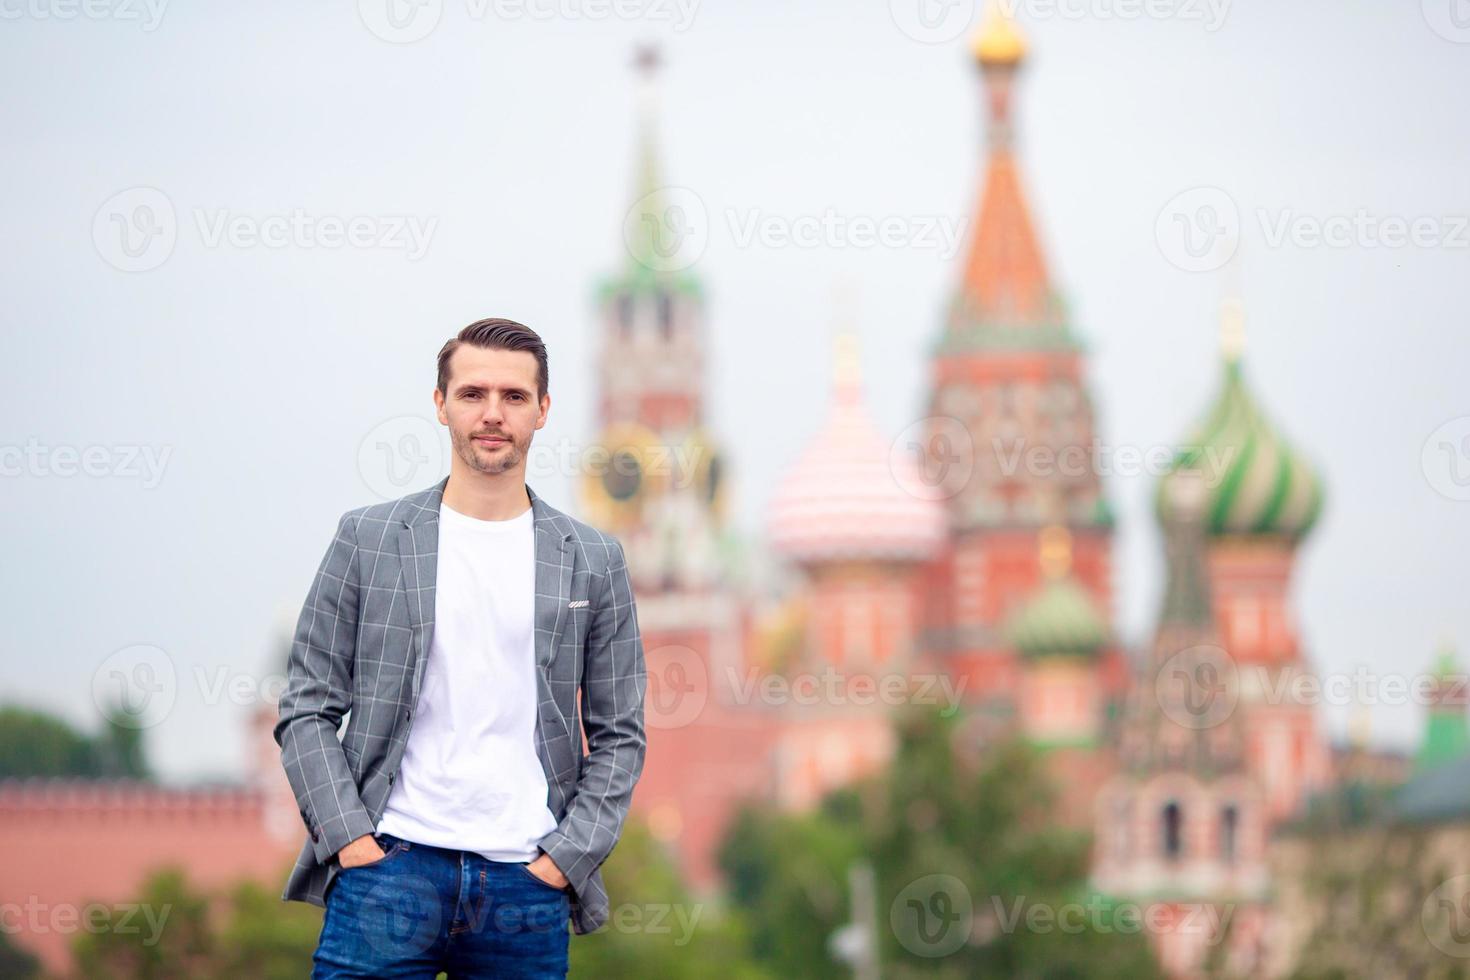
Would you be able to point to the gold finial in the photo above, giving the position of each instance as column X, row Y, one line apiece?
column 1360, row 726
column 999, row 41
column 647, row 59
column 1232, row 328
column 1056, row 551
column 847, row 362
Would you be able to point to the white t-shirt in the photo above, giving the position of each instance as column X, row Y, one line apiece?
column 470, row 778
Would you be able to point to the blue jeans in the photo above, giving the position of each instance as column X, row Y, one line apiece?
column 420, row 910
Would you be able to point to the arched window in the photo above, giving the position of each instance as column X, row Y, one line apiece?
column 625, row 316
column 1172, row 819
column 1229, row 824
column 665, row 316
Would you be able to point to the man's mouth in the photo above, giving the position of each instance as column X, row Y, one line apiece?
column 491, row 440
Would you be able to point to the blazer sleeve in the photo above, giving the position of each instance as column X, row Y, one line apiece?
column 318, row 693
column 613, row 686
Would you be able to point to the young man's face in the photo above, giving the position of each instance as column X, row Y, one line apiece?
column 491, row 407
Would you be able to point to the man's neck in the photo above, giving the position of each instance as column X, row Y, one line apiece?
column 488, row 498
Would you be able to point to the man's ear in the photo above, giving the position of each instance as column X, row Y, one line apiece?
column 439, row 407
column 545, row 409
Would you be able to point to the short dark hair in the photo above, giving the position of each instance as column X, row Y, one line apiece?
column 496, row 333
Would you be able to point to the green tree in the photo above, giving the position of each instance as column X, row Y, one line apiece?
column 35, row 743
column 15, row 962
column 948, row 829
column 655, row 927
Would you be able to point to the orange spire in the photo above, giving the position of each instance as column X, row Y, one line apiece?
column 1005, row 278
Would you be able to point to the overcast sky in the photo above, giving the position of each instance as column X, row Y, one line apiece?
column 231, row 383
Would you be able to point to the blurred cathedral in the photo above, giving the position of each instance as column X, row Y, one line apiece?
column 888, row 561
column 941, row 558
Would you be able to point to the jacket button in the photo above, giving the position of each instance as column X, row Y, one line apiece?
column 390, row 777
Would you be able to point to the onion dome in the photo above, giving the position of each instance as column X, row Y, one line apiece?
column 999, row 41
column 1061, row 618
column 1256, row 483
column 851, row 495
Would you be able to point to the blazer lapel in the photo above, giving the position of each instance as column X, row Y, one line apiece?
column 553, row 577
column 418, row 550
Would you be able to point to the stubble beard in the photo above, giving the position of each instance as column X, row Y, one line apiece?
column 491, row 462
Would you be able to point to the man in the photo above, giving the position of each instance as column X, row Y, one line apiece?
column 457, row 825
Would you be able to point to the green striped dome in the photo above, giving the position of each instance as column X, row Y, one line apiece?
column 1257, row 484
column 1060, row 619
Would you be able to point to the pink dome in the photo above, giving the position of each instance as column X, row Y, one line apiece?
column 850, row 495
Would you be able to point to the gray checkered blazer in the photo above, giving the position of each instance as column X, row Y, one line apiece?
column 359, row 650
